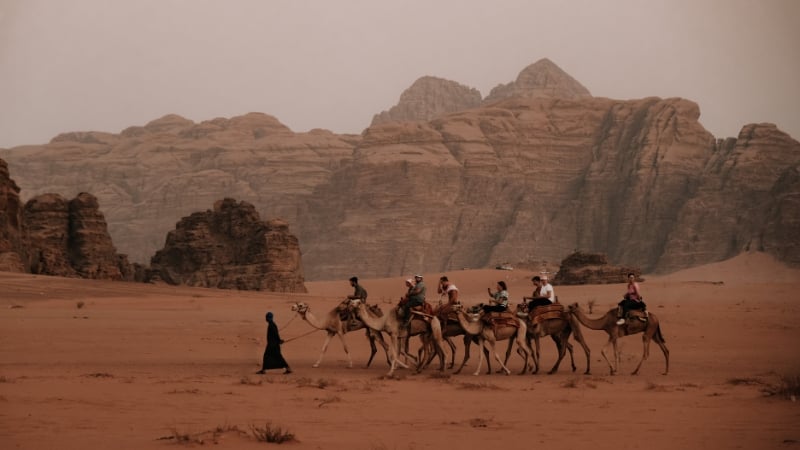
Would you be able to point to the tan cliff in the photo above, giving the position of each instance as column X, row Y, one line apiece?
column 522, row 178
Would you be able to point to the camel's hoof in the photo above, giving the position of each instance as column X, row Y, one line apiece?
column 315, row 366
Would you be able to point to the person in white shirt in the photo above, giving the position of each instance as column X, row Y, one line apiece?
column 540, row 296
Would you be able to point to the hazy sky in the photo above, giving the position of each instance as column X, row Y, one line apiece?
column 104, row 65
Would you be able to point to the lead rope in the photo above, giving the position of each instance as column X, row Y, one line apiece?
column 296, row 337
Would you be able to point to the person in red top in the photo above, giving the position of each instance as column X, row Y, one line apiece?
column 632, row 299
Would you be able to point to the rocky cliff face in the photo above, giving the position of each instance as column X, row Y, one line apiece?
column 428, row 98
column 525, row 178
column 70, row 239
column 12, row 239
column 230, row 247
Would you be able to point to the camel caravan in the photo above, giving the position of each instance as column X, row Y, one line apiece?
column 484, row 325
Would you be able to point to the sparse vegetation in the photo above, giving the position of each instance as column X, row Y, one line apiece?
column 745, row 381
column 479, row 422
column 250, row 381
column 479, row 386
column 590, row 304
column 650, row 386
column 99, row 375
column 80, row 304
column 788, row 386
column 439, row 375
column 271, row 433
column 328, row 399
column 184, row 391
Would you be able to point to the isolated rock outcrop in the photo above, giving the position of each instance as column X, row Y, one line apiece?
column 230, row 247
column 592, row 268
column 12, row 234
column 428, row 98
column 70, row 238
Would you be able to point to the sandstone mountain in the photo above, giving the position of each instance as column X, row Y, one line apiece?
column 541, row 79
column 428, row 98
column 522, row 178
column 230, row 247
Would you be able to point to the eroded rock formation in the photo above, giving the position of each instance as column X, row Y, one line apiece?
column 592, row 268
column 230, row 247
column 70, row 238
column 12, row 239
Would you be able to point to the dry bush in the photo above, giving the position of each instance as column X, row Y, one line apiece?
column 439, row 375
column 251, row 382
column 788, row 386
column 80, row 304
column 479, row 422
column 328, row 399
column 590, row 304
column 184, row 391
column 744, row 381
column 99, row 375
column 650, row 386
column 271, row 433
column 482, row 386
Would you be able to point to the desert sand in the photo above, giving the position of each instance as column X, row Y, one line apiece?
column 90, row 364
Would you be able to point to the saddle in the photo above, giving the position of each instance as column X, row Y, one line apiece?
column 425, row 308
column 496, row 319
column 637, row 314
column 547, row 312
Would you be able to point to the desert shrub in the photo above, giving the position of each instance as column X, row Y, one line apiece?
column 744, row 381
column 271, row 433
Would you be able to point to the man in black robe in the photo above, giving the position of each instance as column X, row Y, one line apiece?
column 273, row 359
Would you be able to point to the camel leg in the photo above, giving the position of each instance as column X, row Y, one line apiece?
column 663, row 345
column 480, row 357
column 645, row 352
column 493, row 350
column 561, row 346
column 379, row 336
column 346, row 350
column 372, row 348
column 452, row 352
column 579, row 338
column 324, row 349
column 508, row 352
column 523, row 349
column 467, row 342
column 613, row 343
column 535, row 354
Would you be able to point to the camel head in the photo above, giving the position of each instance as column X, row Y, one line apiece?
column 300, row 308
column 573, row 307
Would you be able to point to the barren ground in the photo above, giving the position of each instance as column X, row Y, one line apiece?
column 87, row 364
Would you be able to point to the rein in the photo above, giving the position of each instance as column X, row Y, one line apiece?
column 296, row 337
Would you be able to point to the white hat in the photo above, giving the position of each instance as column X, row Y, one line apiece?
column 418, row 276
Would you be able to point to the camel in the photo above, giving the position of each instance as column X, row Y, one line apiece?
column 334, row 326
column 394, row 327
column 559, row 329
column 651, row 330
column 487, row 338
